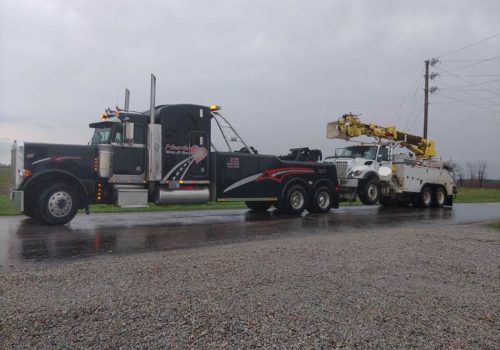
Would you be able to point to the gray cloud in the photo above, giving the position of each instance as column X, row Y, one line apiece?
column 281, row 70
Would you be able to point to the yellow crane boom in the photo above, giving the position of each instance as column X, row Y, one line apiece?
column 350, row 126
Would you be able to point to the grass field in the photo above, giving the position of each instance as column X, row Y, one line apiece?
column 465, row 195
column 477, row 195
column 495, row 225
column 4, row 180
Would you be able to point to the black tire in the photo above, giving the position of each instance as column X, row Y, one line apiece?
column 30, row 203
column 439, row 197
column 387, row 201
column 295, row 200
column 425, row 198
column 321, row 201
column 57, row 204
column 258, row 206
column 370, row 192
column 29, row 213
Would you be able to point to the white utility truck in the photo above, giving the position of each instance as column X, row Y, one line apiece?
column 384, row 171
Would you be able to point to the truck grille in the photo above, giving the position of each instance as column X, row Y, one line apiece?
column 341, row 169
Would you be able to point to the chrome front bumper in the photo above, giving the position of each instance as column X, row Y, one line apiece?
column 348, row 182
column 17, row 198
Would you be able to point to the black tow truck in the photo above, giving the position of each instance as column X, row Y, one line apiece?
column 166, row 156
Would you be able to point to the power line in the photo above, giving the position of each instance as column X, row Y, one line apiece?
column 464, row 91
column 469, row 46
column 470, row 104
column 413, row 115
column 476, row 63
column 403, row 106
column 465, row 60
column 468, row 116
column 473, row 75
column 472, row 83
column 469, row 89
column 413, row 126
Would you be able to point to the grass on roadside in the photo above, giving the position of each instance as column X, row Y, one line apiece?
column 477, row 195
column 4, row 180
column 465, row 195
column 495, row 225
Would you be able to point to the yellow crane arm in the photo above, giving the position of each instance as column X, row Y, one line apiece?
column 350, row 126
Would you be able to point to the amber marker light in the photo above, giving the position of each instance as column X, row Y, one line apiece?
column 24, row 173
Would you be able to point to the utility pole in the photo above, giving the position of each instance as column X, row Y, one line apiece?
column 426, row 101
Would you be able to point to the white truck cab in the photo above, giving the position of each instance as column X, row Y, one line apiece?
column 358, row 170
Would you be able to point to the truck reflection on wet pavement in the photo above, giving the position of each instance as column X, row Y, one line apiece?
column 23, row 241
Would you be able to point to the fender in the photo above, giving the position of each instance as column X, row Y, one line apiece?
column 294, row 181
column 326, row 182
column 82, row 187
column 370, row 174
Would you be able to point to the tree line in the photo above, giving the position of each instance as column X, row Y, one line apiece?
column 471, row 174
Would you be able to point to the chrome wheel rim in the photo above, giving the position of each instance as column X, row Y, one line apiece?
column 372, row 192
column 297, row 200
column 426, row 197
column 323, row 200
column 60, row 204
column 440, row 197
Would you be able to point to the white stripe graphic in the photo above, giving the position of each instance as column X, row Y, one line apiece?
column 40, row 160
column 187, row 168
column 175, row 168
column 242, row 182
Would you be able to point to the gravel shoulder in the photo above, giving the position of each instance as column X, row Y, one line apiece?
column 397, row 288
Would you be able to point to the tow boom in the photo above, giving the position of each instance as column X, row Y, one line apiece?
column 350, row 126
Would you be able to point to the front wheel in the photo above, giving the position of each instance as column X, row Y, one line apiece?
column 57, row 204
column 370, row 192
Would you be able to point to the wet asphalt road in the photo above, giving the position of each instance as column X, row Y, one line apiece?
column 24, row 242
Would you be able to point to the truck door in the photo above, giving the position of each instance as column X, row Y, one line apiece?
column 129, row 159
column 383, row 156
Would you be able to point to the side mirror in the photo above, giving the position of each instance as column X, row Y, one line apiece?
column 129, row 133
column 379, row 158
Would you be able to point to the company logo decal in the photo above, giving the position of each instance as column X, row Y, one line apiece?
column 196, row 155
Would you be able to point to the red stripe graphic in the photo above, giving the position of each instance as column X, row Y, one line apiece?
column 279, row 174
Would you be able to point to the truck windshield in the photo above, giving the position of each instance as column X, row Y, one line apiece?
column 366, row 152
column 101, row 135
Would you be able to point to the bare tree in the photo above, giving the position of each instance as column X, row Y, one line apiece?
column 472, row 168
column 460, row 176
column 481, row 166
column 455, row 168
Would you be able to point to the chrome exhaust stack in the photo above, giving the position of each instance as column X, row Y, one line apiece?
column 126, row 105
column 154, row 139
column 152, row 99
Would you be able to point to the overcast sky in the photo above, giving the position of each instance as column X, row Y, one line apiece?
column 280, row 69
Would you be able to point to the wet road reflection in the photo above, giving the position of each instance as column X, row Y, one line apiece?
column 23, row 241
